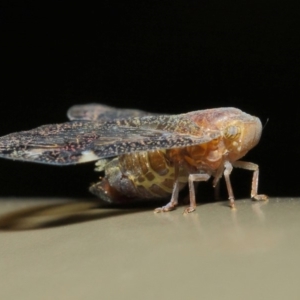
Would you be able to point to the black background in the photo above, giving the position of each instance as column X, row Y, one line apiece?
column 161, row 56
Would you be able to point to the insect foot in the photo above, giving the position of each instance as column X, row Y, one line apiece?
column 166, row 208
column 189, row 210
column 261, row 197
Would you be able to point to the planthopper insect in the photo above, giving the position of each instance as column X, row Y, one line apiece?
column 145, row 155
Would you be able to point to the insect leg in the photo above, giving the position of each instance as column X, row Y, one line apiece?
column 216, row 182
column 254, row 187
column 192, row 179
column 227, row 172
column 174, row 199
column 217, row 192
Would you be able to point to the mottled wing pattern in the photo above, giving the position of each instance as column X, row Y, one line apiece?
column 82, row 141
column 100, row 112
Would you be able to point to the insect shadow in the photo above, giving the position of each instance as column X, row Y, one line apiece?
column 61, row 214
column 56, row 215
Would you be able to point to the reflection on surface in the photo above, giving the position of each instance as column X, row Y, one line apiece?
column 219, row 228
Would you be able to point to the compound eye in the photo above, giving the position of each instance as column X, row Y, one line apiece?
column 232, row 132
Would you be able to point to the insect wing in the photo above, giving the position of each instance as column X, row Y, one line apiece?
column 83, row 141
column 100, row 112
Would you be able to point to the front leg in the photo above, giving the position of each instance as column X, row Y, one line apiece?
column 254, row 186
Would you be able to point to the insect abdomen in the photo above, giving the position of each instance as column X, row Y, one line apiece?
column 142, row 174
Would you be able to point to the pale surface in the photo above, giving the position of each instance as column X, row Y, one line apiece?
column 213, row 253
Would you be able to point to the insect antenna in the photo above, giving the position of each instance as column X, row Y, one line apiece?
column 267, row 121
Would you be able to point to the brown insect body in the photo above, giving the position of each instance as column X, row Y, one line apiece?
column 155, row 155
column 152, row 174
